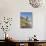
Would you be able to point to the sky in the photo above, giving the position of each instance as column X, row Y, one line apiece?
column 29, row 14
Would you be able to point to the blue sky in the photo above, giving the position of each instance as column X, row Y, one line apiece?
column 29, row 14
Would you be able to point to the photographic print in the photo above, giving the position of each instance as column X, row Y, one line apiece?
column 26, row 19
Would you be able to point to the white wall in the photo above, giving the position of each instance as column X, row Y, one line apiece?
column 39, row 23
column 12, row 8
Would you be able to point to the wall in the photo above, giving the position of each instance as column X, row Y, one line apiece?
column 12, row 8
